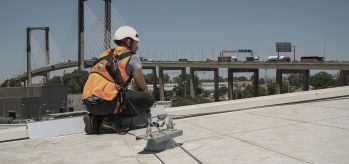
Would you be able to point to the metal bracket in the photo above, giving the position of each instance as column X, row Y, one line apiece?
column 162, row 138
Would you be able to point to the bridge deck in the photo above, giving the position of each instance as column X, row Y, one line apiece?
column 201, row 64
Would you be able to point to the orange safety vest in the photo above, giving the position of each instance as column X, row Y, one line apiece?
column 100, row 82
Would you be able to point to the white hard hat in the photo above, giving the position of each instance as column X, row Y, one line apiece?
column 124, row 32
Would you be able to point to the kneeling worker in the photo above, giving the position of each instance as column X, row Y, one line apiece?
column 105, row 92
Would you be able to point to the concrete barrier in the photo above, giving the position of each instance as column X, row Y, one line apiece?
column 249, row 103
column 13, row 132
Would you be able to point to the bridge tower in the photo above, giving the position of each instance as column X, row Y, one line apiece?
column 47, row 57
column 81, row 6
column 107, row 21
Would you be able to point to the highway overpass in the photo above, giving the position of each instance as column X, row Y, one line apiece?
column 280, row 67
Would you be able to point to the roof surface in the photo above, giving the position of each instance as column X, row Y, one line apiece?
column 308, row 132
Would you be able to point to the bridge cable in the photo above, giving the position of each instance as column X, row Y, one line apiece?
column 70, row 43
column 55, row 51
column 120, row 20
column 93, row 40
column 35, row 51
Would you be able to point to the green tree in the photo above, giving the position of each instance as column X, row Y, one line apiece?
column 56, row 80
column 262, row 91
column 166, row 78
column 222, row 79
column 271, row 88
column 149, row 78
column 261, row 81
column 322, row 80
column 75, row 81
column 247, row 91
column 181, row 101
column 182, row 88
column 295, row 79
column 223, row 90
column 182, row 91
column 242, row 78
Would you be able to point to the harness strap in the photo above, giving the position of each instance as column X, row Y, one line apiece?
column 112, row 69
column 110, row 55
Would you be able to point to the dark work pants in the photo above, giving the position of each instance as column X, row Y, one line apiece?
column 137, row 102
column 136, row 112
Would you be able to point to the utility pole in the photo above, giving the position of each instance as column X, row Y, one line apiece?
column 294, row 53
column 202, row 54
column 324, row 46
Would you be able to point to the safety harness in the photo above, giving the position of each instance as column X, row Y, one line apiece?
column 113, row 69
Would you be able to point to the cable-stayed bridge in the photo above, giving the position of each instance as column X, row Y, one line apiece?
column 88, row 36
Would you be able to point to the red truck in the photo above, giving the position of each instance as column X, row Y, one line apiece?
column 227, row 59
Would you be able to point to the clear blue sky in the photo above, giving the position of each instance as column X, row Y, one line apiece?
column 183, row 25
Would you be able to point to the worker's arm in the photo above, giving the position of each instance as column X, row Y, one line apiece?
column 138, row 77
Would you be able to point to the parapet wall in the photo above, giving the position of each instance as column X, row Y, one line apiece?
column 255, row 102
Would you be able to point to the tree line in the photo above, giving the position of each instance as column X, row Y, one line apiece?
column 180, row 95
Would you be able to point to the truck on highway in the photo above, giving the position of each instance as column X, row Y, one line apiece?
column 281, row 58
column 183, row 60
column 227, row 59
column 312, row 59
column 210, row 60
column 252, row 58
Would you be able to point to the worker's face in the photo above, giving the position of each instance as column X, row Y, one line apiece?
column 134, row 46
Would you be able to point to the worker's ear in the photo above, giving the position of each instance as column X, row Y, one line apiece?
column 129, row 42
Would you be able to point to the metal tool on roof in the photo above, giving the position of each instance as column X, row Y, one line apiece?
column 162, row 138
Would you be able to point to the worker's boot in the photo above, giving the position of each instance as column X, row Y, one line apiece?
column 92, row 124
column 107, row 125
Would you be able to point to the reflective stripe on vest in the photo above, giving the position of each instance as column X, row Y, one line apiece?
column 101, row 84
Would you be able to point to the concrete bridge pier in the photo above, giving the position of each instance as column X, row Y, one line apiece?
column 306, row 80
column 155, row 81
column 255, row 82
column 278, row 81
column 216, row 84
column 161, row 84
column 343, row 77
column 191, row 83
column 230, row 84
column 216, row 81
column 161, row 79
column 279, row 72
column 184, row 70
